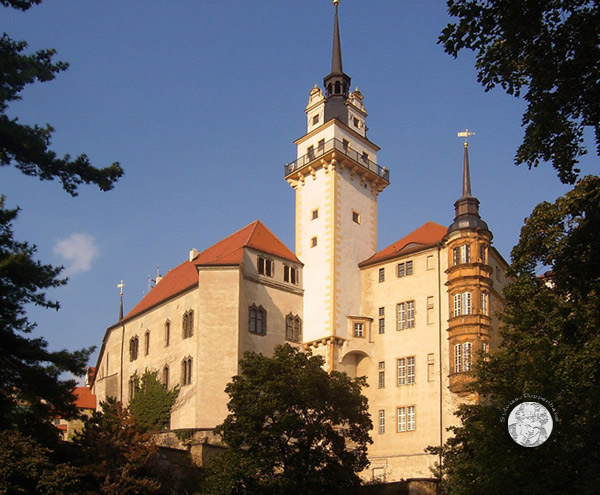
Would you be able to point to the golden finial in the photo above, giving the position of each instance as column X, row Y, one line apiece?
column 466, row 134
column 335, row 2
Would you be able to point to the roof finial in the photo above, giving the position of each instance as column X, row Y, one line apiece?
column 466, row 184
column 120, row 286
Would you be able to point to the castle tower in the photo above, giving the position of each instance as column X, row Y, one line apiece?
column 337, row 179
column 469, row 283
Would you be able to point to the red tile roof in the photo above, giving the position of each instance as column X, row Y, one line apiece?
column 227, row 252
column 84, row 398
column 427, row 235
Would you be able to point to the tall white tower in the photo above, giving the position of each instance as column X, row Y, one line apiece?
column 337, row 180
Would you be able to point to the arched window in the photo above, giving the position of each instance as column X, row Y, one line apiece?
column 188, row 324
column 257, row 317
column 134, row 345
column 186, row 371
column 293, row 328
column 167, row 333
column 165, row 377
column 131, row 388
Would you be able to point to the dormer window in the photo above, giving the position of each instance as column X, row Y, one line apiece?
column 265, row 266
column 315, row 120
column 356, row 122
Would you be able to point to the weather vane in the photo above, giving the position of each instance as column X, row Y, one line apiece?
column 466, row 134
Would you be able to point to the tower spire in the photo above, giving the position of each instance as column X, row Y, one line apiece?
column 336, row 55
column 466, row 208
column 337, row 84
column 466, row 183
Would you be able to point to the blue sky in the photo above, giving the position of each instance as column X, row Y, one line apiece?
column 201, row 101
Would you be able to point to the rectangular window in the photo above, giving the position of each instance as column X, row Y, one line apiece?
column 315, row 214
column 483, row 253
column 467, row 356
column 382, row 275
column 484, row 303
column 401, row 316
column 359, row 329
column 405, row 269
column 430, row 310
column 430, row 367
column 457, row 358
column 406, row 418
column 167, row 333
column 467, row 307
column 290, row 274
column 381, row 421
column 315, row 120
column 465, row 254
column 456, row 256
column 485, row 348
column 381, row 320
column 430, row 262
column 346, row 145
column 457, row 304
column 310, row 152
column 406, row 371
column 405, row 315
column 356, row 217
column 410, row 314
column 410, row 370
column 265, row 266
column 321, row 146
column 365, row 156
column 401, row 371
column 313, row 242
column 410, row 418
column 381, row 375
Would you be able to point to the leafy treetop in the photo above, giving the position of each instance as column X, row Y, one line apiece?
column 28, row 147
column 292, row 427
column 551, row 51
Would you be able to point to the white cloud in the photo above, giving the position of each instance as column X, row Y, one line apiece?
column 78, row 251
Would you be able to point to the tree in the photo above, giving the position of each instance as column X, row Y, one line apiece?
column 31, row 388
column 28, row 147
column 31, row 391
column 114, row 453
column 152, row 402
column 550, row 50
column 292, row 428
column 550, row 348
column 28, row 468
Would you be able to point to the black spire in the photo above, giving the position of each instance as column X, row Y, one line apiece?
column 466, row 208
column 337, row 84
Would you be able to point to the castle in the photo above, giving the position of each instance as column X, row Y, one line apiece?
column 411, row 317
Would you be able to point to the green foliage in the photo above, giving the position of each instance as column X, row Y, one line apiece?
column 550, row 50
column 31, row 390
column 115, row 453
column 292, row 428
column 550, row 348
column 28, row 468
column 152, row 402
column 28, row 147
